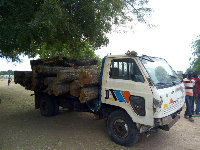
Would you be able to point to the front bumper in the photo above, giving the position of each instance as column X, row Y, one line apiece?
column 166, row 127
column 167, row 122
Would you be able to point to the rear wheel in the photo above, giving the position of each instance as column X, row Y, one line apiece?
column 122, row 129
column 47, row 107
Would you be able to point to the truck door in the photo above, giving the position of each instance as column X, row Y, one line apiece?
column 125, row 86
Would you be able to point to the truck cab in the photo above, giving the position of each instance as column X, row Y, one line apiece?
column 139, row 94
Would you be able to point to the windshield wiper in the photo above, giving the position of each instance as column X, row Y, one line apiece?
column 173, row 76
column 161, row 83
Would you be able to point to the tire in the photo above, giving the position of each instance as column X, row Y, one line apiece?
column 122, row 129
column 47, row 107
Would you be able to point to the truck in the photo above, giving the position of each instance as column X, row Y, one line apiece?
column 136, row 94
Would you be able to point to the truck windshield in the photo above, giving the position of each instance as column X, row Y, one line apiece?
column 160, row 72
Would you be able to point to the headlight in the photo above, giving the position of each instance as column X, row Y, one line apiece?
column 138, row 105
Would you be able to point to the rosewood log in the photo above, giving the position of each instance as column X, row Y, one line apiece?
column 48, row 80
column 68, row 75
column 60, row 88
column 89, row 93
column 75, row 88
column 49, row 71
column 89, row 77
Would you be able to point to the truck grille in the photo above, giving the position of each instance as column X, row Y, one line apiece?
column 171, row 108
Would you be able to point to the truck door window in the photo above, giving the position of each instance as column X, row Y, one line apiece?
column 125, row 69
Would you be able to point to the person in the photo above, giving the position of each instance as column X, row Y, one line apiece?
column 197, row 92
column 183, row 76
column 9, row 80
column 189, row 85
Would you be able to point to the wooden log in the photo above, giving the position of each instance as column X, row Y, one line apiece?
column 38, row 84
column 27, row 80
column 89, row 77
column 75, row 88
column 28, row 86
column 60, row 88
column 48, row 80
column 49, row 71
column 36, row 62
column 85, row 62
column 34, row 72
column 89, row 93
column 73, row 73
column 49, row 89
column 19, row 75
column 64, row 61
column 68, row 75
column 37, row 81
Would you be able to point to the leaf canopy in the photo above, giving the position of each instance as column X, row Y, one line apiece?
column 195, row 64
column 75, row 28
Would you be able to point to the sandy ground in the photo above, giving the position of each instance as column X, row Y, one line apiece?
column 22, row 127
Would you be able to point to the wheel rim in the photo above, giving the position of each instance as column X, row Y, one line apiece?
column 120, row 128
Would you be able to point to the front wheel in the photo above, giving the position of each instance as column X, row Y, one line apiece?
column 122, row 129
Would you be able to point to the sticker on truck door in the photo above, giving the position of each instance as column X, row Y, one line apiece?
column 117, row 95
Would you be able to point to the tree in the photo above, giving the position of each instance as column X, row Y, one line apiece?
column 71, row 27
column 195, row 64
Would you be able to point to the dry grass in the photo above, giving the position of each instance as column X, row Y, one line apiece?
column 22, row 127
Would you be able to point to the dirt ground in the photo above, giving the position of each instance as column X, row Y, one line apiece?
column 22, row 127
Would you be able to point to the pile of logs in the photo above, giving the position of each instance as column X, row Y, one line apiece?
column 60, row 75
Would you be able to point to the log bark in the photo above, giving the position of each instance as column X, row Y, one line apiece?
column 89, row 77
column 49, row 71
column 34, row 71
column 28, row 86
column 85, row 62
column 19, row 75
column 68, row 75
column 60, row 88
column 27, row 80
column 75, row 88
column 36, row 62
column 64, row 61
column 73, row 73
column 48, row 80
column 89, row 93
column 49, row 89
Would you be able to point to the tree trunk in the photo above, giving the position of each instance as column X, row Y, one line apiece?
column 60, row 88
column 89, row 93
column 36, row 62
column 85, row 62
column 49, row 89
column 75, row 88
column 63, row 61
column 20, row 75
column 49, row 71
column 89, row 77
column 68, row 75
column 48, row 80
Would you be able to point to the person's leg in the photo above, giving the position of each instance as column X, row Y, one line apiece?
column 187, row 106
column 198, row 104
column 192, row 105
column 190, row 101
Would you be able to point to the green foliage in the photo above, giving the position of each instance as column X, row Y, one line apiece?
column 70, row 27
column 9, row 72
column 195, row 64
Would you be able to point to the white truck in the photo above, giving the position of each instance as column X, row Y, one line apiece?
column 137, row 94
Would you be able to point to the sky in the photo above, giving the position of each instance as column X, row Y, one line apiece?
column 177, row 25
